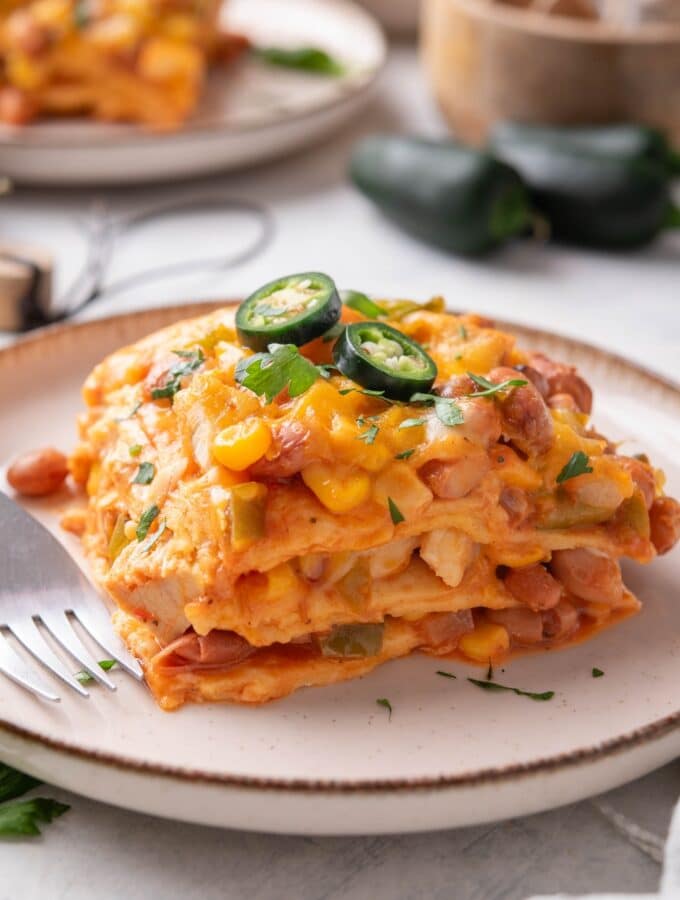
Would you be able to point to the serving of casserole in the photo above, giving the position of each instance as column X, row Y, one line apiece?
column 141, row 61
column 291, row 492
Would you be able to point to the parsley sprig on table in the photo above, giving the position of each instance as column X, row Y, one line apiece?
column 23, row 817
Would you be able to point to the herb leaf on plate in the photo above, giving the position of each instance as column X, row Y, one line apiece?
column 282, row 366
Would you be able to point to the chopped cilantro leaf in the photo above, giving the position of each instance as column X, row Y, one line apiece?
column 405, row 453
column 283, row 366
column 193, row 359
column 363, row 304
column 385, row 703
column 447, row 410
column 132, row 413
column 597, row 673
column 14, row 784
column 145, row 473
column 488, row 388
column 370, row 435
column 577, row 465
column 412, row 423
column 308, row 59
column 494, row 686
column 462, row 331
column 22, row 817
column 395, row 513
column 146, row 520
column 445, row 674
column 135, row 449
column 489, row 672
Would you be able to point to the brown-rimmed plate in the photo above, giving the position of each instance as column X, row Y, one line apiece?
column 331, row 760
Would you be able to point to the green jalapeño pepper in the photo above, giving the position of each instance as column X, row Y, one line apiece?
column 380, row 358
column 353, row 641
column 591, row 197
column 624, row 141
column 460, row 199
column 291, row 310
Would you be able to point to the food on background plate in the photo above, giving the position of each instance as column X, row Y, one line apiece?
column 142, row 61
column 291, row 492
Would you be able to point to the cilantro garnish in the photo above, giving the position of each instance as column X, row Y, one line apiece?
column 146, row 520
column 447, row 410
column 370, row 435
column 385, row 703
column 488, row 388
column 412, row 423
column 135, row 449
column 153, row 538
column 489, row 672
column 84, row 676
column 367, row 392
column 145, row 473
column 597, row 673
column 363, row 304
column 22, row 818
column 308, row 59
column 395, row 512
column 462, row 331
column 283, row 366
column 494, row 686
column 405, row 453
column 333, row 332
column 81, row 14
column 445, row 674
column 193, row 359
column 577, row 465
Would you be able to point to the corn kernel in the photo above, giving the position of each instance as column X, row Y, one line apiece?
column 239, row 446
column 486, row 642
column 282, row 581
column 339, row 488
column 130, row 530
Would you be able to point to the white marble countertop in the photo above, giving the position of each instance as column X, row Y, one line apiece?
column 626, row 303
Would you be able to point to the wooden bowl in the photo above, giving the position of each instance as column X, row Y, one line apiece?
column 488, row 62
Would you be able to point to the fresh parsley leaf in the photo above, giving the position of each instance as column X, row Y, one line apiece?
column 308, row 59
column 462, row 331
column 385, row 703
column 14, row 784
column 153, row 538
column 488, row 388
column 135, row 449
column 146, row 520
column 445, row 674
column 406, row 453
column 577, row 465
column 494, row 686
column 369, row 436
column 84, row 677
column 489, row 672
column 412, row 423
column 326, row 369
column 395, row 513
column 333, row 332
column 363, row 304
column 193, row 359
column 133, row 412
column 21, row 818
column 447, row 410
column 145, row 473
column 597, row 673
column 283, row 366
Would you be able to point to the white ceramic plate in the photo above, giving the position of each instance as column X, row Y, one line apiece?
column 250, row 112
column 329, row 760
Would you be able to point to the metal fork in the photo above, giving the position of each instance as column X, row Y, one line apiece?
column 40, row 585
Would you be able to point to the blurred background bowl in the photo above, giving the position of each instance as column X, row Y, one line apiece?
column 400, row 17
column 488, row 62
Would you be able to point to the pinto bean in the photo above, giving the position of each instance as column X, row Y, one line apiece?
column 516, row 504
column 535, row 586
column 525, row 626
column 643, row 477
column 535, row 377
column 289, row 453
column 562, row 401
column 441, row 631
column 563, row 379
column 526, row 419
column 452, row 479
column 588, row 574
column 560, row 621
column 458, row 386
column 38, row 473
column 664, row 521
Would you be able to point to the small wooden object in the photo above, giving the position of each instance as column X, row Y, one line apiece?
column 25, row 283
column 490, row 60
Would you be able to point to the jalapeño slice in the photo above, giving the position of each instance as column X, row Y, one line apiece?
column 380, row 358
column 291, row 310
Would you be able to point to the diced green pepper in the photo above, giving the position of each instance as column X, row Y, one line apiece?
column 353, row 641
column 248, row 506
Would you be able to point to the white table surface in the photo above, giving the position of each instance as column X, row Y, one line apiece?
column 625, row 303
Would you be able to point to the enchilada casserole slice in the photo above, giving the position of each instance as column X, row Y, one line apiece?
column 140, row 61
column 291, row 494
